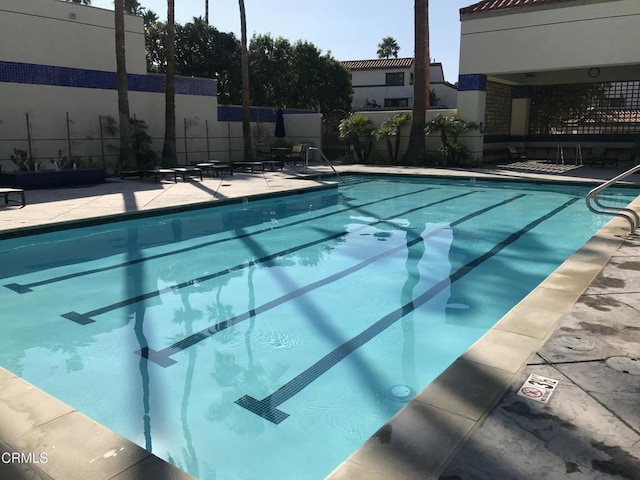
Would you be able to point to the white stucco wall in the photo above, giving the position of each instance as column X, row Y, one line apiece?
column 369, row 86
column 575, row 34
column 81, row 40
column 446, row 93
column 51, row 32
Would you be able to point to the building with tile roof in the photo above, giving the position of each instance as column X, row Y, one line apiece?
column 523, row 61
column 495, row 5
column 387, row 83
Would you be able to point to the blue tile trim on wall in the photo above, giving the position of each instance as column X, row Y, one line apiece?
column 472, row 82
column 35, row 74
column 233, row 113
column 521, row 91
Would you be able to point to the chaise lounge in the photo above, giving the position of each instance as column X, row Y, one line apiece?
column 6, row 192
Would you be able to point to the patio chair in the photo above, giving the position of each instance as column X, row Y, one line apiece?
column 268, row 158
column 515, row 154
column 298, row 154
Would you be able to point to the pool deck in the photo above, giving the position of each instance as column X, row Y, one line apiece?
column 581, row 326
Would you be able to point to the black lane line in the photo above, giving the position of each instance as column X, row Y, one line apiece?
column 26, row 288
column 267, row 408
column 162, row 357
column 85, row 318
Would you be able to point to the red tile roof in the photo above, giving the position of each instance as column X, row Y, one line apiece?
column 378, row 63
column 610, row 116
column 493, row 5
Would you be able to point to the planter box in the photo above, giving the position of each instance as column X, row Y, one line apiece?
column 53, row 179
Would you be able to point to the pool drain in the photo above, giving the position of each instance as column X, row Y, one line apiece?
column 402, row 393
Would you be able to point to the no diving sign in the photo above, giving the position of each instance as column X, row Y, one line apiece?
column 538, row 388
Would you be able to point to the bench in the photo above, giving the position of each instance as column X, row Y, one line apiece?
column 6, row 192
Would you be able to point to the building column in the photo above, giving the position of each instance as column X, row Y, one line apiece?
column 520, row 110
column 472, row 98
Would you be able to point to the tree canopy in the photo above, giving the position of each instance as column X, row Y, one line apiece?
column 282, row 74
column 388, row 47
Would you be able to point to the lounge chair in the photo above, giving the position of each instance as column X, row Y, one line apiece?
column 6, row 191
column 185, row 172
column 249, row 165
column 215, row 168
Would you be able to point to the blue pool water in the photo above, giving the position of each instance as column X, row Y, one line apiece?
column 262, row 340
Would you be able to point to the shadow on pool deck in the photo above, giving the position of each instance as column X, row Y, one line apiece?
column 469, row 424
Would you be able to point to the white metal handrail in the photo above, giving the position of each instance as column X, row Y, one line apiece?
column 630, row 215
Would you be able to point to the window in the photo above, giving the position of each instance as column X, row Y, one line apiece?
column 396, row 102
column 395, row 79
column 587, row 108
column 497, row 115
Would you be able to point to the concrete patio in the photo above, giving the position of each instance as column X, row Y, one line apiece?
column 581, row 327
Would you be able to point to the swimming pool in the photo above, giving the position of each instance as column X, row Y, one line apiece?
column 276, row 331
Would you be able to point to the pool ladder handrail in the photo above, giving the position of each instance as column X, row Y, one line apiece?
column 630, row 215
column 323, row 157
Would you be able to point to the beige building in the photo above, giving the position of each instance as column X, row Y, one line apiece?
column 58, row 91
column 544, row 73
column 387, row 83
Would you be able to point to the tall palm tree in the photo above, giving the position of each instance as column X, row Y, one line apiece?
column 206, row 11
column 126, row 157
column 133, row 7
column 388, row 48
column 416, row 150
column 169, row 156
column 246, row 126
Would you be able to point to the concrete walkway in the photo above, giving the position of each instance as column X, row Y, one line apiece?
column 468, row 424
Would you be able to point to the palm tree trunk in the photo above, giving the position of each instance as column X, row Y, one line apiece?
column 169, row 156
column 126, row 158
column 416, row 150
column 206, row 11
column 246, row 126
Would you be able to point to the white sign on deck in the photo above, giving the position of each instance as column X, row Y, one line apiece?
column 538, row 388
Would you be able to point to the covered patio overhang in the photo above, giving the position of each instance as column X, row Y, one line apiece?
column 519, row 58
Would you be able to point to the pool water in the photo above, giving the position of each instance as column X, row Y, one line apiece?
column 269, row 339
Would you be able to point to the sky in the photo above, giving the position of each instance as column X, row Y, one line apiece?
column 348, row 29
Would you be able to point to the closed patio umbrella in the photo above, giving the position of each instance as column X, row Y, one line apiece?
column 279, row 133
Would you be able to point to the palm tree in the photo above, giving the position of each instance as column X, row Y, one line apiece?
column 450, row 128
column 392, row 127
column 356, row 129
column 133, row 7
column 246, row 126
column 206, row 11
column 416, row 149
column 388, row 48
column 169, row 156
column 126, row 157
